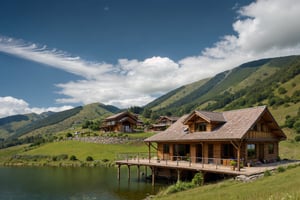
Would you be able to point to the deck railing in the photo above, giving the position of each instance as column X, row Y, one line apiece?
column 183, row 161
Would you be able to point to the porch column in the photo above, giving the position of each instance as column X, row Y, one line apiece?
column 237, row 146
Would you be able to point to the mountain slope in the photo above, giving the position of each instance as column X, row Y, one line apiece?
column 46, row 123
column 249, row 84
column 9, row 125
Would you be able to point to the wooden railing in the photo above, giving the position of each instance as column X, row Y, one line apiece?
column 185, row 161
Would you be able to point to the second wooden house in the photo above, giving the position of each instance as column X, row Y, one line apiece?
column 125, row 122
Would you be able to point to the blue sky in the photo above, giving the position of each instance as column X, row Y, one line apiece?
column 57, row 54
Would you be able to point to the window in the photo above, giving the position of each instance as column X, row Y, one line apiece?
column 166, row 148
column 227, row 151
column 271, row 148
column 200, row 126
column 251, row 150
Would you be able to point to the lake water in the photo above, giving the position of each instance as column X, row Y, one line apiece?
column 32, row 183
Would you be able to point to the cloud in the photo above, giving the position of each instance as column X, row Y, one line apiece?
column 13, row 106
column 264, row 28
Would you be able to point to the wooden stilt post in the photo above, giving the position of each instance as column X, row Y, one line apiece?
column 178, row 175
column 119, row 173
column 128, row 172
column 138, row 172
column 203, row 175
column 153, row 176
column 146, row 174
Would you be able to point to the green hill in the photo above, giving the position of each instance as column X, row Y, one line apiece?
column 50, row 123
column 274, row 82
column 10, row 125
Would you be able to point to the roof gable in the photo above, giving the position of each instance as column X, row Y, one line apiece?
column 206, row 116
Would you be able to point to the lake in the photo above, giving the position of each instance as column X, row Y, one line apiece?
column 71, row 183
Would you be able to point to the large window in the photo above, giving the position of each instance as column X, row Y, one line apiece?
column 271, row 148
column 251, row 150
column 227, row 151
column 200, row 126
column 166, row 148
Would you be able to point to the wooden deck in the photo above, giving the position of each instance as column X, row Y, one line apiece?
column 154, row 164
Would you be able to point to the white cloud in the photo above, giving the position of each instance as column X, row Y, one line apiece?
column 13, row 106
column 265, row 28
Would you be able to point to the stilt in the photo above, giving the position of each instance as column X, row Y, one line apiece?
column 203, row 175
column 128, row 172
column 146, row 171
column 153, row 176
column 119, row 172
column 178, row 175
column 138, row 172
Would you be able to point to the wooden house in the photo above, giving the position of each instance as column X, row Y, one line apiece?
column 163, row 123
column 249, row 135
column 121, row 122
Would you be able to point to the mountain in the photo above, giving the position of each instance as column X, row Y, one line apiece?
column 50, row 122
column 272, row 81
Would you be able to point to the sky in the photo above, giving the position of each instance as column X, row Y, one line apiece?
column 58, row 54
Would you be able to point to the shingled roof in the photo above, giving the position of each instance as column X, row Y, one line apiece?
column 236, row 124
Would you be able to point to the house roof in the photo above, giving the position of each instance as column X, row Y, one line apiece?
column 120, row 115
column 169, row 118
column 236, row 124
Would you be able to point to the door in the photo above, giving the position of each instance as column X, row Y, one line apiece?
column 198, row 152
column 261, row 155
column 210, row 153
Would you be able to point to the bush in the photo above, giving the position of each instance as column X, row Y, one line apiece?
column 267, row 173
column 198, row 179
column 73, row 158
column 69, row 135
column 297, row 138
column 89, row 158
column 281, row 169
column 179, row 186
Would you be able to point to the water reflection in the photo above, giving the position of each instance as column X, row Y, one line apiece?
column 71, row 183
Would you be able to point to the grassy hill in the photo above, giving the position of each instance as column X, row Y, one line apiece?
column 249, row 84
column 9, row 125
column 33, row 128
column 274, row 82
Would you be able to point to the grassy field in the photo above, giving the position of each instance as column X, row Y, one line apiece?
column 82, row 149
column 282, row 186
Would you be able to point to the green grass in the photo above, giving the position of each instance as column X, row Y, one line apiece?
column 82, row 149
column 279, row 186
column 6, row 154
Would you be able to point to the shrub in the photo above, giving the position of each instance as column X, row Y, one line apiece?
column 73, row 158
column 179, row 186
column 267, row 173
column 297, row 138
column 69, row 135
column 89, row 158
column 280, row 169
column 198, row 179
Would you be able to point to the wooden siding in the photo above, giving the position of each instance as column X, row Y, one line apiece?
column 260, row 135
